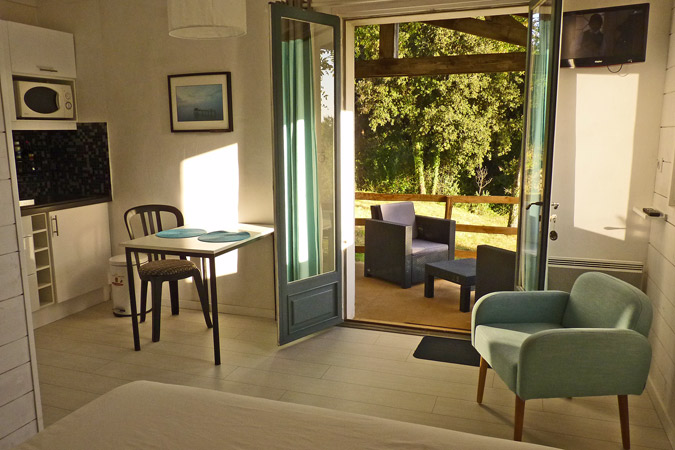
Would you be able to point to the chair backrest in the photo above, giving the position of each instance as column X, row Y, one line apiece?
column 403, row 213
column 598, row 300
column 150, row 219
column 495, row 270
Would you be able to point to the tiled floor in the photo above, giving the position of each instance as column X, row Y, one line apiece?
column 363, row 371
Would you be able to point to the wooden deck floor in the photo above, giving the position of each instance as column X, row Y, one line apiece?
column 383, row 302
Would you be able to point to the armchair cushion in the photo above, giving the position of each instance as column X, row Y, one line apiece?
column 420, row 247
column 520, row 307
column 500, row 344
column 597, row 301
column 403, row 213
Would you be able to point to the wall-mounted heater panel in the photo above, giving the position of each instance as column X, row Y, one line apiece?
column 563, row 271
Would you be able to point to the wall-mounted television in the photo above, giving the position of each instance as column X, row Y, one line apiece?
column 604, row 36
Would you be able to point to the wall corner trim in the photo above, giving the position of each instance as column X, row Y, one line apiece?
column 666, row 421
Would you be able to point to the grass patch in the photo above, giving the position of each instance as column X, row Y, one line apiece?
column 460, row 214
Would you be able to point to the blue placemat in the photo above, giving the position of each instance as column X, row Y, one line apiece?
column 224, row 236
column 176, row 233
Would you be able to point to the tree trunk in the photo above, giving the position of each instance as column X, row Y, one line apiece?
column 418, row 156
column 436, row 171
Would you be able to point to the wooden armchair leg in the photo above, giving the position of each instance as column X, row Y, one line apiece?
column 518, row 420
column 623, row 416
column 482, row 373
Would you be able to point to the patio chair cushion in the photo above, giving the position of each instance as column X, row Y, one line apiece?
column 420, row 247
column 403, row 213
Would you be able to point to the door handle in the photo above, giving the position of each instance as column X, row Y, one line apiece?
column 55, row 226
column 534, row 204
column 553, row 235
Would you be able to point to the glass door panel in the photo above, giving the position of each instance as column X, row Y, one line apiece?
column 306, row 76
column 537, row 158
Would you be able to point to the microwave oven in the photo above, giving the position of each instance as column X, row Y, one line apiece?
column 43, row 100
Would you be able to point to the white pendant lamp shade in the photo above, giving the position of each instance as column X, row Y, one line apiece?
column 206, row 19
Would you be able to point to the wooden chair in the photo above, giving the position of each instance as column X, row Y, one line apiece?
column 143, row 221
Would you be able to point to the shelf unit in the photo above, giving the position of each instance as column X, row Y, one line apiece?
column 43, row 259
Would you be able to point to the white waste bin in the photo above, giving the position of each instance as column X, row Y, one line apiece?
column 119, row 291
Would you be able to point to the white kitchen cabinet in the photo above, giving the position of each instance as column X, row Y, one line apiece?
column 80, row 245
column 37, row 249
column 40, row 52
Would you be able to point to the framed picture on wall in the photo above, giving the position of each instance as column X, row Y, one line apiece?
column 201, row 102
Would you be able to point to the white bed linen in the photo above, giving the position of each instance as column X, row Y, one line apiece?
column 148, row 415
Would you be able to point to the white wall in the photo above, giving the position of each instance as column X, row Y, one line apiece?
column 661, row 258
column 124, row 55
column 606, row 143
column 22, row 11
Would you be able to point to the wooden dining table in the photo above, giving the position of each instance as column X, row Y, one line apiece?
column 189, row 247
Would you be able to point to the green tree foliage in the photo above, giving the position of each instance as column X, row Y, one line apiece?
column 431, row 134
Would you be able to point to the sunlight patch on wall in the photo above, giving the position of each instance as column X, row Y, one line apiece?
column 605, row 132
column 210, row 189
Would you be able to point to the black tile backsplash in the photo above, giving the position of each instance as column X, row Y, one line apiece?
column 63, row 165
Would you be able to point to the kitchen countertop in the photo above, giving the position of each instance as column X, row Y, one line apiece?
column 55, row 206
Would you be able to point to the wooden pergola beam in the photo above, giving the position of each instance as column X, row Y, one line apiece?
column 440, row 65
column 492, row 29
column 506, row 20
column 389, row 40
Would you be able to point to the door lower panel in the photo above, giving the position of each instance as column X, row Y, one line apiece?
column 314, row 306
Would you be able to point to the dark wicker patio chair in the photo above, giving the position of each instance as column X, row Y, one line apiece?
column 399, row 243
column 495, row 270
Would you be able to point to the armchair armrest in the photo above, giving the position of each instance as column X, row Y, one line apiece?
column 388, row 251
column 519, row 307
column 435, row 229
column 385, row 236
column 576, row 362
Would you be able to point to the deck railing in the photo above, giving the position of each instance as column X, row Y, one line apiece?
column 450, row 201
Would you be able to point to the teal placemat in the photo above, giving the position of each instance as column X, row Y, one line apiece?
column 176, row 233
column 224, row 236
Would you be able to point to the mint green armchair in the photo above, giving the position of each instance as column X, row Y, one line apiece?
column 545, row 344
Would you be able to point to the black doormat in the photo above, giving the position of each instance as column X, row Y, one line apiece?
column 457, row 351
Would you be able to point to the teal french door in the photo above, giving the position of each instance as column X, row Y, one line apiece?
column 543, row 61
column 306, row 92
